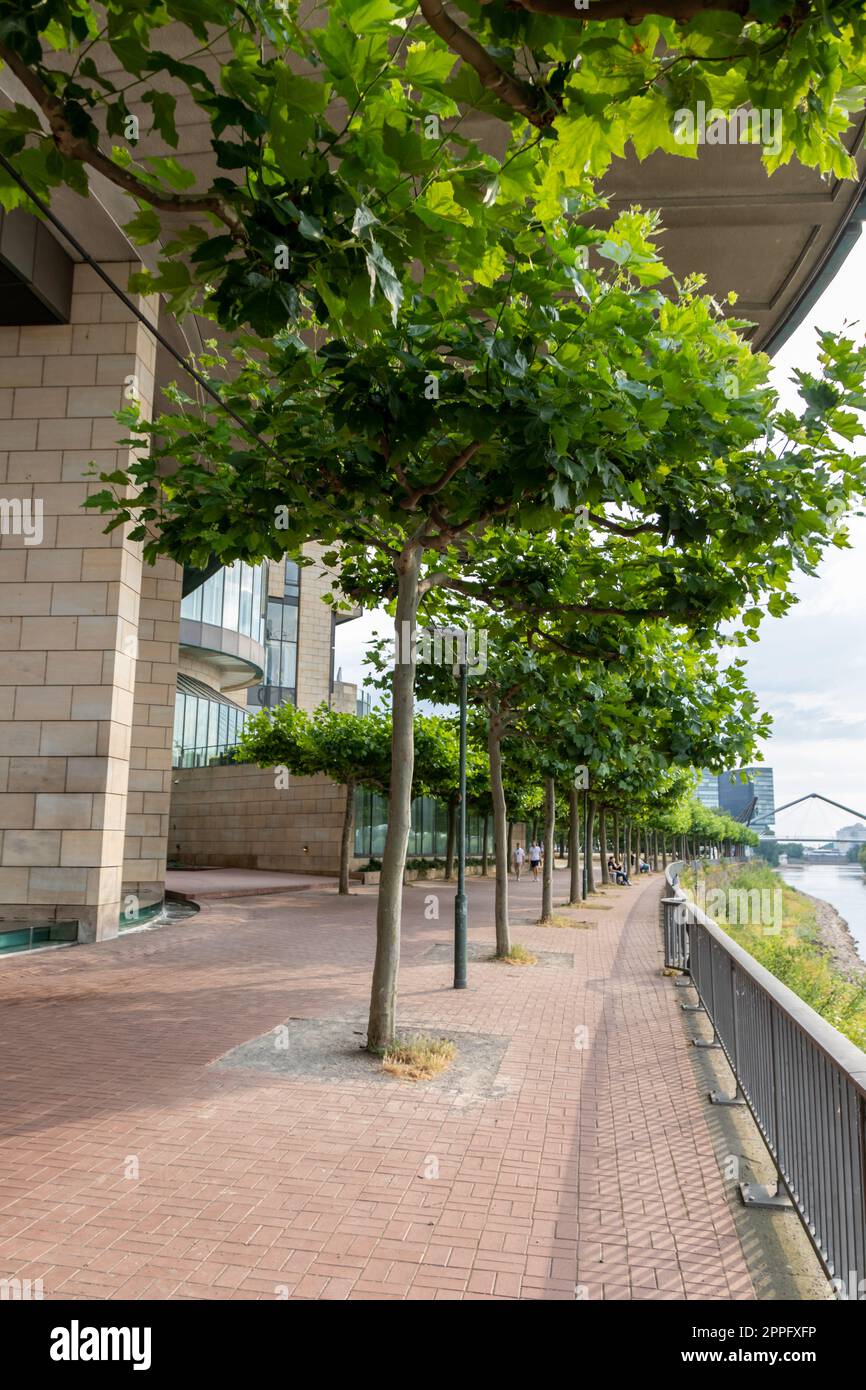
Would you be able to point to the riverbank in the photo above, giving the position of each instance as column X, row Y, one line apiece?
column 836, row 938
column 803, row 940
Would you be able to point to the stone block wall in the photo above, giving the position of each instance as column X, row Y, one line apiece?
column 236, row 817
column 69, row 610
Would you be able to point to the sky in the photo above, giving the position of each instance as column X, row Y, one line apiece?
column 808, row 668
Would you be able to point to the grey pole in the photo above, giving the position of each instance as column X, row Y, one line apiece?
column 586, row 848
column 460, row 906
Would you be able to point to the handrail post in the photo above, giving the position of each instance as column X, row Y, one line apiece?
column 719, row 1097
column 759, row 1194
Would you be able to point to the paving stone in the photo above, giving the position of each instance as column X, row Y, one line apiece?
column 146, row 1153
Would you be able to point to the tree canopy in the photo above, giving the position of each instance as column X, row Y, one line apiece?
column 353, row 153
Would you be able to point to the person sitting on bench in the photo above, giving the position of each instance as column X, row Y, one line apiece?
column 619, row 873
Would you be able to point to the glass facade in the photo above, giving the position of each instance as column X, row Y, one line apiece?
column 206, row 725
column 428, row 835
column 707, row 790
column 232, row 598
column 281, row 627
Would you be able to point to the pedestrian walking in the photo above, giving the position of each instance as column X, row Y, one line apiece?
column 536, row 854
column 519, row 858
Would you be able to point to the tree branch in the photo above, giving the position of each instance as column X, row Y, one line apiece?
column 645, row 528
column 439, row 579
column 520, row 96
column 410, row 503
column 72, row 146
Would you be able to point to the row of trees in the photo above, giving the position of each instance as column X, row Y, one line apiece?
column 437, row 363
column 638, row 799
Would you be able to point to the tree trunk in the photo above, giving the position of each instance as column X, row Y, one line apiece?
column 383, row 998
column 602, row 843
column 590, row 832
column 616, row 834
column 549, row 832
column 484, row 830
column 347, row 836
column 664, row 851
column 574, row 845
column 655, row 851
column 500, row 835
column 450, row 838
column 627, row 856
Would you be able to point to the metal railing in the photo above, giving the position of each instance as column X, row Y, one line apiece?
column 804, row 1083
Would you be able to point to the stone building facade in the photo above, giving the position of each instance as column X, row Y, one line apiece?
column 94, row 644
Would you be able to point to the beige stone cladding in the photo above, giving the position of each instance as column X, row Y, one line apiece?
column 237, row 817
column 315, row 631
column 69, row 612
column 149, row 795
column 345, row 697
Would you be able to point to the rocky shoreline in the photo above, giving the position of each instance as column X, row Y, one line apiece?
column 835, row 938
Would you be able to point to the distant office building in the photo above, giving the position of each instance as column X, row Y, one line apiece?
column 736, row 794
column 761, row 778
column 744, row 793
column 707, row 790
column 849, row 834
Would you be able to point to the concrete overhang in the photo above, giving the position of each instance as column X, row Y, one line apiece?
column 774, row 240
column 235, row 659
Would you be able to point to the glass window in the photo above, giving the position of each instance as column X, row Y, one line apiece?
column 256, row 627
column 177, row 738
column 213, row 725
column 245, row 623
column 191, row 605
column 288, row 665
column 379, row 826
column 275, row 620
column 292, row 584
column 232, row 597
column 440, row 811
column 290, row 622
column 212, row 600
column 416, row 831
column 189, row 722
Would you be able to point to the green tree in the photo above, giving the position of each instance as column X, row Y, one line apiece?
column 510, row 387
column 354, row 750
column 326, row 141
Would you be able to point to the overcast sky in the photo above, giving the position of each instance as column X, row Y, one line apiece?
column 809, row 668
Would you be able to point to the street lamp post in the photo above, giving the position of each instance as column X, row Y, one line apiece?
column 460, row 906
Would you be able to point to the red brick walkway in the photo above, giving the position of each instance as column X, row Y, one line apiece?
column 132, row 1168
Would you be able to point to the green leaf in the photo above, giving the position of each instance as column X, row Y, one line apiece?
column 383, row 276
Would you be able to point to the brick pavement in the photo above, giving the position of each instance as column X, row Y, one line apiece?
column 130, row 1167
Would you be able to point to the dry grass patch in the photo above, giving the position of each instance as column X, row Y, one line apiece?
column 518, row 955
column 418, row 1058
column 560, row 920
column 591, row 907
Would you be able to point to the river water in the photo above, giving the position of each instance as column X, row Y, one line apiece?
column 842, row 885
